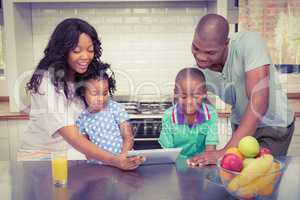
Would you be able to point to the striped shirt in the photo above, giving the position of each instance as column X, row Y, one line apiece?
column 176, row 132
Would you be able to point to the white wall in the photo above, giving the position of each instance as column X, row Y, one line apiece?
column 3, row 87
column 146, row 42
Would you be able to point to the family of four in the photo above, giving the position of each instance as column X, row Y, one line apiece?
column 72, row 89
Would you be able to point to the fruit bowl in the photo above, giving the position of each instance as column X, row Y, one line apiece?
column 258, row 180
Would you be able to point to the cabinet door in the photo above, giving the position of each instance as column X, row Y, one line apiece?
column 294, row 149
column 4, row 149
column 16, row 130
column 4, row 142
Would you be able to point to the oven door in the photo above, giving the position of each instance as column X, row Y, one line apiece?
column 146, row 133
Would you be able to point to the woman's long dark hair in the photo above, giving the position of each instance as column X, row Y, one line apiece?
column 63, row 40
column 95, row 72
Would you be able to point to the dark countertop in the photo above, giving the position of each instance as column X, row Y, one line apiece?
column 31, row 180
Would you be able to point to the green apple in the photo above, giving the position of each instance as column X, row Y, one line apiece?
column 247, row 161
column 249, row 147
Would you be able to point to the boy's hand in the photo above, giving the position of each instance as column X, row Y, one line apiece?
column 206, row 158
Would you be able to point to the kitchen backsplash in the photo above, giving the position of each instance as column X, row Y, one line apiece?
column 147, row 43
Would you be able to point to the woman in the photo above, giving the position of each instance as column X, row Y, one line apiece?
column 73, row 47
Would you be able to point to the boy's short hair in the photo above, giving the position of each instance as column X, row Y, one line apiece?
column 190, row 72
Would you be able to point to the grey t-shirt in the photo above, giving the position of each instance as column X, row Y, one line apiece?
column 247, row 51
column 50, row 111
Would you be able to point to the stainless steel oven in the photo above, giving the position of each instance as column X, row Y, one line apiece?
column 145, row 118
column 146, row 132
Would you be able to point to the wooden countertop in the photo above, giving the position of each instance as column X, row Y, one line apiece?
column 6, row 115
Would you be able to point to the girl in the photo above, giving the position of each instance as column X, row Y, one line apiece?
column 73, row 47
column 192, row 122
column 104, row 121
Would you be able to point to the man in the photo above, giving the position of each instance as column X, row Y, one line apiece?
column 239, row 70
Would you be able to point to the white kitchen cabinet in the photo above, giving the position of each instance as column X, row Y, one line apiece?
column 10, row 137
column 4, row 149
column 3, row 128
column 15, row 130
column 4, row 141
column 294, row 149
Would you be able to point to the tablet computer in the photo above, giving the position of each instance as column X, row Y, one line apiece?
column 157, row 156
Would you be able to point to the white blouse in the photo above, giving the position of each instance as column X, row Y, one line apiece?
column 50, row 111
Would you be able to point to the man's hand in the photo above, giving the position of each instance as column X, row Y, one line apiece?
column 206, row 158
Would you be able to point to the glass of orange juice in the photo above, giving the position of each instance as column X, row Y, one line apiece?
column 59, row 165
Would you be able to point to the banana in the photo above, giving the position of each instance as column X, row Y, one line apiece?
column 268, row 190
column 256, row 168
column 259, row 183
column 277, row 169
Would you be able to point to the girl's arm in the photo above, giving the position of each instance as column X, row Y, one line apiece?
column 72, row 135
column 127, row 136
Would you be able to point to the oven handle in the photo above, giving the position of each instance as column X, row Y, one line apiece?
column 145, row 139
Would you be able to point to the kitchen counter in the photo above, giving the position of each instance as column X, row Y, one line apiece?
column 31, row 180
column 5, row 114
column 223, row 113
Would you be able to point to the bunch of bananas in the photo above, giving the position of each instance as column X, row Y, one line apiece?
column 256, row 178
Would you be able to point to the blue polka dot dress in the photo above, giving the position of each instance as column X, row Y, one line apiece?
column 103, row 127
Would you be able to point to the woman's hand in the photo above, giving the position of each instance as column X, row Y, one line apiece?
column 128, row 163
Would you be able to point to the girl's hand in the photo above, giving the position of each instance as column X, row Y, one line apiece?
column 129, row 163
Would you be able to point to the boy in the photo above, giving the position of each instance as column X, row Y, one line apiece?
column 192, row 122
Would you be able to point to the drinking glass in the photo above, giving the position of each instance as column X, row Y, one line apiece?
column 59, row 165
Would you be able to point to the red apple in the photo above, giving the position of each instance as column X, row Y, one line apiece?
column 264, row 151
column 232, row 162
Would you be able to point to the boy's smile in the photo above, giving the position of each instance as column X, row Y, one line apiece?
column 189, row 94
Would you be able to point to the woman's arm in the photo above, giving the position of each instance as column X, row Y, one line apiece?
column 127, row 136
column 72, row 135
